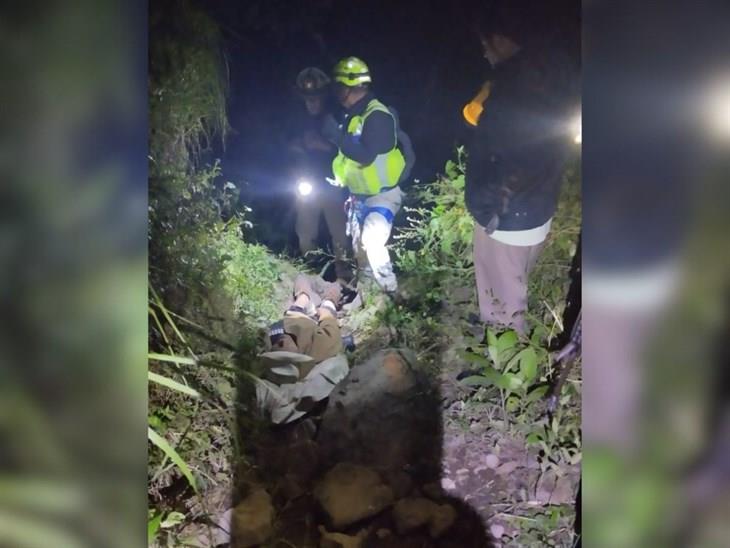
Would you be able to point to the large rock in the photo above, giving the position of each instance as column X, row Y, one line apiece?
column 338, row 540
column 412, row 513
column 253, row 519
column 385, row 415
column 349, row 493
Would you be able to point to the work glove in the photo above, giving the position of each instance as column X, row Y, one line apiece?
column 331, row 129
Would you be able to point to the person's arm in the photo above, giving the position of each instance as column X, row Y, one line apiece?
column 482, row 185
column 377, row 137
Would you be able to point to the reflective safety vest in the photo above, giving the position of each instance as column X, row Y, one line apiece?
column 382, row 173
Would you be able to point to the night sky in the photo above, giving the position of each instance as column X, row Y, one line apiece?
column 425, row 59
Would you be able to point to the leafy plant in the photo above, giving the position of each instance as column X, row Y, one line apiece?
column 519, row 370
column 508, row 365
column 173, row 455
column 174, row 385
column 437, row 240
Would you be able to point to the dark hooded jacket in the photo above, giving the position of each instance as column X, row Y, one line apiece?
column 522, row 143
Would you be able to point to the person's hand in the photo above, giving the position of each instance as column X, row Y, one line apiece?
column 331, row 129
column 492, row 225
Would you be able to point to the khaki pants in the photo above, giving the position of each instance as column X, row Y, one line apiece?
column 323, row 201
column 501, row 274
column 320, row 340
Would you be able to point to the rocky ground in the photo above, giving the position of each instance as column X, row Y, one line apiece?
column 401, row 455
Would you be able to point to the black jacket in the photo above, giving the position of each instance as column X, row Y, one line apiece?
column 523, row 140
column 377, row 137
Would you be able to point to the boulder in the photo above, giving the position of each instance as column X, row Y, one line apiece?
column 349, row 493
column 339, row 540
column 253, row 519
column 384, row 415
column 411, row 513
column 401, row 482
column 433, row 490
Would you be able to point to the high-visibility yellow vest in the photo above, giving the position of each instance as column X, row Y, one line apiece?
column 382, row 173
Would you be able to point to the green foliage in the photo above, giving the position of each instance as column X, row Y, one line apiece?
column 550, row 279
column 249, row 275
column 519, row 371
column 508, row 364
column 173, row 455
column 209, row 287
column 188, row 88
column 437, row 241
column 171, row 384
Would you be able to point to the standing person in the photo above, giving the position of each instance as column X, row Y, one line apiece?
column 311, row 160
column 514, row 169
column 370, row 164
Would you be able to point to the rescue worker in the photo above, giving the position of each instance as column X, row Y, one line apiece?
column 514, row 168
column 311, row 161
column 306, row 358
column 370, row 164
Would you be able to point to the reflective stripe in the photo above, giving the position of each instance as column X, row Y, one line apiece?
column 381, row 166
column 361, row 211
column 384, row 211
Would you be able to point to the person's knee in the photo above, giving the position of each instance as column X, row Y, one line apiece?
column 375, row 232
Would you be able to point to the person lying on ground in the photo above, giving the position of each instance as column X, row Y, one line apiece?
column 306, row 359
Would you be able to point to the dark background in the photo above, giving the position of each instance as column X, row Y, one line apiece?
column 425, row 58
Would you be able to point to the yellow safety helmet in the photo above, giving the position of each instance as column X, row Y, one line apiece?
column 351, row 72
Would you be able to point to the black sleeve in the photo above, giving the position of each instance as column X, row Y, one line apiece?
column 482, row 184
column 378, row 137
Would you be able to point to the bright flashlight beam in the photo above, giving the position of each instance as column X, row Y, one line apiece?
column 304, row 188
column 717, row 109
column 578, row 131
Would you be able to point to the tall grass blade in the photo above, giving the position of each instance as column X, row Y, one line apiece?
column 171, row 358
column 165, row 313
column 173, row 385
column 174, row 456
